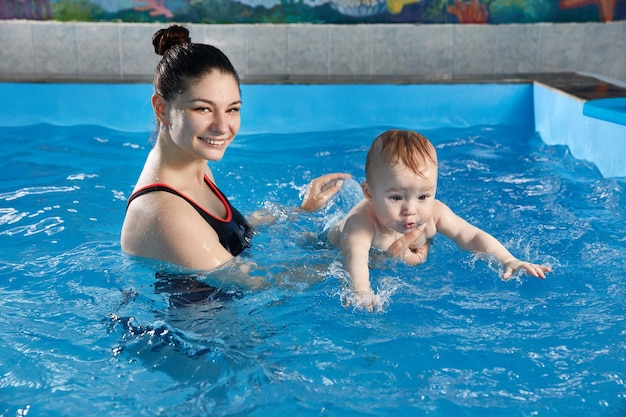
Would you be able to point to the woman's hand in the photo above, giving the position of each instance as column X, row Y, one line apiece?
column 512, row 266
column 321, row 189
column 405, row 249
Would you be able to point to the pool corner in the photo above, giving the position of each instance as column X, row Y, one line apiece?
column 598, row 136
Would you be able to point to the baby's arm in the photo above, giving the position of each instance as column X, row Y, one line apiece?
column 355, row 244
column 471, row 238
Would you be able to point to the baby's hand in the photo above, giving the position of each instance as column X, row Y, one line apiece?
column 537, row 271
column 365, row 299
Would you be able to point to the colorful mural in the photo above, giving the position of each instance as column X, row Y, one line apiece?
column 317, row 11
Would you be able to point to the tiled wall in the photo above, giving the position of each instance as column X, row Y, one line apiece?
column 395, row 52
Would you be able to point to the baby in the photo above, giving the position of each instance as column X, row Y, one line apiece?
column 400, row 214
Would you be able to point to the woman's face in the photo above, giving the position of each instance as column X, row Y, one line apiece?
column 204, row 119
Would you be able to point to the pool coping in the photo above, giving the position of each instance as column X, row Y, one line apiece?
column 577, row 85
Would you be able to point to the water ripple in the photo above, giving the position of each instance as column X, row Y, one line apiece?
column 28, row 191
column 49, row 226
column 9, row 215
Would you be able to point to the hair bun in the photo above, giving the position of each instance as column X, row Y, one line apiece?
column 174, row 35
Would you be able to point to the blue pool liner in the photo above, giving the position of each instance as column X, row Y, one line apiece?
column 560, row 120
column 279, row 107
column 594, row 131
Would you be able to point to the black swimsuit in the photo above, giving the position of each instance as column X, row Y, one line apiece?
column 234, row 232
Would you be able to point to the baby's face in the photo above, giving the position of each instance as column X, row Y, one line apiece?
column 403, row 199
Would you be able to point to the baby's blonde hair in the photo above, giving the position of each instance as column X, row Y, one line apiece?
column 393, row 146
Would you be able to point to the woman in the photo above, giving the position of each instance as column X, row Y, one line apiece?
column 176, row 213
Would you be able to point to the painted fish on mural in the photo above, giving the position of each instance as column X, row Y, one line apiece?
column 359, row 8
column 396, row 6
column 364, row 8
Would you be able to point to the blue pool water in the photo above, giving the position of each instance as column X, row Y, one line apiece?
column 87, row 330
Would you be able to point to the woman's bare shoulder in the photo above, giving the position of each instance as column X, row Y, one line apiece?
column 164, row 226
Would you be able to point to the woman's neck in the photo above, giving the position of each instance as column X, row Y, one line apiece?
column 177, row 167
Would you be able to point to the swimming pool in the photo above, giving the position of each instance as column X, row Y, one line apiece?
column 87, row 330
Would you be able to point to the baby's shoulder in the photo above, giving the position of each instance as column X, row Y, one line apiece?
column 358, row 219
column 440, row 208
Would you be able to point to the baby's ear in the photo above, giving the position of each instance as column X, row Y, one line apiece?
column 366, row 189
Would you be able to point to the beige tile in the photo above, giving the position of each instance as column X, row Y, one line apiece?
column 559, row 46
column 350, row 49
column 56, row 53
column 307, row 49
column 66, row 50
column 604, row 47
column 516, row 49
column 432, row 51
column 98, row 50
column 266, row 51
column 138, row 59
column 474, row 50
column 17, row 55
column 391, row 50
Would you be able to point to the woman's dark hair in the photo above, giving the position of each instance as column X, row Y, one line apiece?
column 184, row 62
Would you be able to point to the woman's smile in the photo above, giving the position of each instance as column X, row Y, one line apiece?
column 213, row 142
